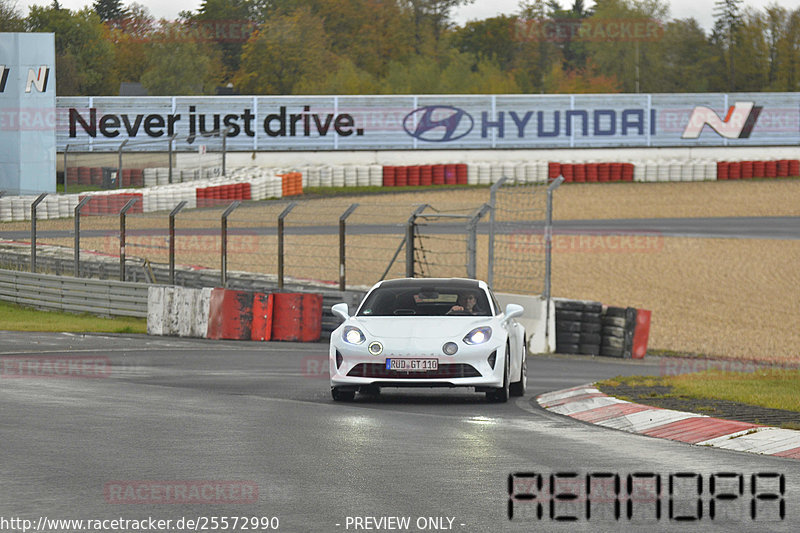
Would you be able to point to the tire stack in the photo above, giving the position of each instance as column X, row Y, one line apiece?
column 578, row 327
column 619, row 324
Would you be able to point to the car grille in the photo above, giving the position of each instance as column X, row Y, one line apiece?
column 378, row 370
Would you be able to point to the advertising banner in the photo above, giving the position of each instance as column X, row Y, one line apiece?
column 27, row 113
column 281, row 123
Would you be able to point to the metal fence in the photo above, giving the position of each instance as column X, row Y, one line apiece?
column 65, row 293
column 336, row 242
column 144, row 163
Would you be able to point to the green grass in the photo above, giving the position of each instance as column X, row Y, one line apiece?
column 774, row 388
column 19, row 318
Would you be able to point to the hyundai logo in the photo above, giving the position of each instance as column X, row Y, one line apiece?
column 438, row 123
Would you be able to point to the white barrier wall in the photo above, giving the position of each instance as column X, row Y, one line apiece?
column 178, row 311
column 533, row 319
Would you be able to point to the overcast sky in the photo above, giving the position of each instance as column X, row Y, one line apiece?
column 701, row 10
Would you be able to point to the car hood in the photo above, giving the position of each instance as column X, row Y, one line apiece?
column 420, row 327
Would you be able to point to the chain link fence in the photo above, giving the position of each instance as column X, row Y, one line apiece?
column 336, row 241
column 517, row 237
column 145, row 163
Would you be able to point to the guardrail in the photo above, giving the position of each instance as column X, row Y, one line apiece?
column 116, row 298
column 62, row 293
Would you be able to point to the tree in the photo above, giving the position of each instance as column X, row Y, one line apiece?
column 684, row 58
column 727, row 22
column 631, row 59
column 84, row 53
column 10, row 19
column 177, row 64
column 226, row 24
column 286, row 52
column 130, row 41
column 110, row 10
column 491, row 38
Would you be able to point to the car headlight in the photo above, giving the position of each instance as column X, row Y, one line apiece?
column 353, row 335
column 478, row 335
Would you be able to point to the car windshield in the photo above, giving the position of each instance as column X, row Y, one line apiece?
column 426, row 301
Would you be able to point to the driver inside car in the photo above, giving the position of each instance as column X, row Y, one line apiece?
column 467, row 304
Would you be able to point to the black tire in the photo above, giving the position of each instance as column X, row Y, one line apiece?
column 564, row 337
column 616, row 312
column 589, row 349
column 613, row 342
column 574, row 316
column 568, row 305
column 614, row 321
column 608, row 351
column 593, row 308
column 591, row 327
column 590, row 338
column 567, row 348
column 613, row 331
column 501, row 394
column 340, row 395
column 567, row 326
column 518, row 388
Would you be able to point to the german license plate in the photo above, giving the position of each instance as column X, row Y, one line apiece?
column 412, row 365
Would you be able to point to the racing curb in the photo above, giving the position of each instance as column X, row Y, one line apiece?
column 588, row 404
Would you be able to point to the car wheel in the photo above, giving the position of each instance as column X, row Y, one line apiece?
column 501, row 395
column 518, row 387
column 340, row 395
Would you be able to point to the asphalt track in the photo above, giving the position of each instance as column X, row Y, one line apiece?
column 178, row 411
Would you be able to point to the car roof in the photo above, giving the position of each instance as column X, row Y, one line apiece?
column 423, row 283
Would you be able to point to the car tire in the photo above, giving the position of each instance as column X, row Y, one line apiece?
column 614, row 321
column 501, row 395
column 518, row 387
column 340, row 395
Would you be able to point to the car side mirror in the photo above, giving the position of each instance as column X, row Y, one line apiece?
column 341, row 310
column 513, row 311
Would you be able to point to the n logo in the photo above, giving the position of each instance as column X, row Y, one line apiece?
column 3, row 77
column 738, row 123
column 37, row 79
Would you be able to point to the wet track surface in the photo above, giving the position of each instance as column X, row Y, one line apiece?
column 178, row 410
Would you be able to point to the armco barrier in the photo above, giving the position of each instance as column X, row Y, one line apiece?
column 63, row 293
column 296, row 317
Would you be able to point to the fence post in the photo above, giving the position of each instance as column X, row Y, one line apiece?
column 172, row 138
column 492, row 204
column 282, row 216
column 410, row 226
column 172, row 216
column 33, row 230
column 472, row 240
column 224, row 243
column 66, row 149
column 122, row 237
column 548, row 243
column 119, row 165
column 77, row 217
column 342, row 248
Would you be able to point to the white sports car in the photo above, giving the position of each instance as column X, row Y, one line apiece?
column 429, row 333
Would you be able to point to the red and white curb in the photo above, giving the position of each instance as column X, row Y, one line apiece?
column 588, row 404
